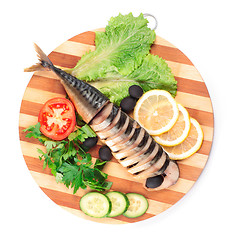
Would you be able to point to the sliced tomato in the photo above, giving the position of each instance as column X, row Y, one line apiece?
column 57, row 118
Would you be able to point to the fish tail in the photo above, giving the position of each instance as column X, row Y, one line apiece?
column 43, row 64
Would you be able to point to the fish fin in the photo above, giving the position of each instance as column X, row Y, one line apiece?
column 44, row 61
column 36, row 67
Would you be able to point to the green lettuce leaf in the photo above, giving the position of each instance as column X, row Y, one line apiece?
column 153, row 73
column 120, row 49
column 121, row 59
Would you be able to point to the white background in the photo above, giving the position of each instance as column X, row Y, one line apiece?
column 203, row 30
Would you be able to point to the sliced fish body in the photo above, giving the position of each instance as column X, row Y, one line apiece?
column 155, row 166
column 116, row 129
column 104, row 118
column 138, row 157
column 145, row 145
column 102, row 115
column 122, row 134
column 105, row 133
column 162, row 169
column 131, row 134
column 171, row 176
column 145, row 162
column 123, row 143
column 135, row 146
column 137, row 135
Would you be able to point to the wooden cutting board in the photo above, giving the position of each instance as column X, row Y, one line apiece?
column 192, row 93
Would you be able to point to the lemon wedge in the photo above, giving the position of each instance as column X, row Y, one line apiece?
column 178, row 132
column 190, row 145
column 156, row 111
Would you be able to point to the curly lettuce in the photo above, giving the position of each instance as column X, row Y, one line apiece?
column 153, row 73
column 122, row 59
column 121, row 48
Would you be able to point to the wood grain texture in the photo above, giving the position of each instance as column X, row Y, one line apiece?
column 192, row 93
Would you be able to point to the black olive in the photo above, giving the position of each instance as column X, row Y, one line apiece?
column 154, row 182
column 135, row 91
column 90, row 142
column 105, row 153
column 128, row 104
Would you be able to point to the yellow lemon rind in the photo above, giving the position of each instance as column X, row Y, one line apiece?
column 171, row 100
column 180, row 139
column 195, row 148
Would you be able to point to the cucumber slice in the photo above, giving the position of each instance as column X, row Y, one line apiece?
column 138, row 205
column 95, row 204
column 119, row 203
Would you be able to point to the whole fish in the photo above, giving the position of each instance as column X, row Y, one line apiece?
column 133, row 147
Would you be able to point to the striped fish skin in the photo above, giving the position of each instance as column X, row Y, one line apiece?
column 139, row 153
column 87, row 100
column 129, row 142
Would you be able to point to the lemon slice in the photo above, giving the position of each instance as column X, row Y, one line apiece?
column 178, row 132
column 190, row 145
column 156, row 111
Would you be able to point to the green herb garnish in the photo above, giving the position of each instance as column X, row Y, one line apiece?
column 69, row 161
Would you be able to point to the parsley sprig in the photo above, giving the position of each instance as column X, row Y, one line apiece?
column 69, row 161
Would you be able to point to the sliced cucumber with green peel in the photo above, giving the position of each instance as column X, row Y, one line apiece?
column 95, row 204
column 138, row 205
column 119, row 203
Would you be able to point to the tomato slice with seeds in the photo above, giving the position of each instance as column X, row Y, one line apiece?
column 57, row 118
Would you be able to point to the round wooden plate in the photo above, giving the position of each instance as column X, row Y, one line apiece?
column 192, row 93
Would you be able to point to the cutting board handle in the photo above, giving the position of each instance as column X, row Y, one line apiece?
column 146, row 15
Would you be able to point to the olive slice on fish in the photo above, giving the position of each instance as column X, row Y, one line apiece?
column 170, row 177
column 154, row 182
